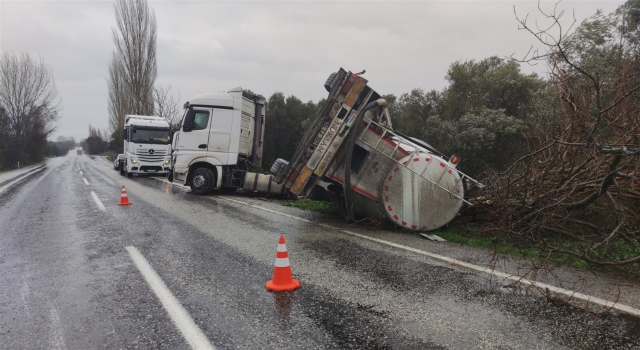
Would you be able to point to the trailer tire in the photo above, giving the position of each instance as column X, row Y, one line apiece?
column 202, row 181
column 277, row 165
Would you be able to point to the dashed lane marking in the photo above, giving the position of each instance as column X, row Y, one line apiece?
column 85, row 181
column 492, row 272
column 180, row 317
column 81, row 173
column 98, row 202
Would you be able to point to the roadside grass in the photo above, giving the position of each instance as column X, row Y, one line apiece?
column 313, row 205
column 110, row 157
column 615, row 251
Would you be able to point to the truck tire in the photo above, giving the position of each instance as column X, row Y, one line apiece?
column 279, row 163
column 129, row 174
column 327, row 84
column 202, row 181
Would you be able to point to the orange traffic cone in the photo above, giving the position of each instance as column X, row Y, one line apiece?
column 124, row 200
column 282, row 278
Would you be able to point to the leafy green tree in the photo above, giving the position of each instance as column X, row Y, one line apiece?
column 96, row 142
column 493, row 83
column 579, row 177
column 284, row 128
column 479, row 116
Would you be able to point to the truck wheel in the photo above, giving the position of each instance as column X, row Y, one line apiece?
column 202, row 181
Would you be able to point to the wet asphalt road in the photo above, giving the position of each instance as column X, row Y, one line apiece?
column 68, row 282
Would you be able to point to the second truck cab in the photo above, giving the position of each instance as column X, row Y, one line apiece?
column 220, row 138
column 147, row 145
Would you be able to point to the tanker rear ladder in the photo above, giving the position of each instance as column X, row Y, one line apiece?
column 396, row 140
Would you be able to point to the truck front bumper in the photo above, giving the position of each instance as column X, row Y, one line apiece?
column 149, row 168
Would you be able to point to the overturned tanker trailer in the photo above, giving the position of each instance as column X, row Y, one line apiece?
column 352, row 152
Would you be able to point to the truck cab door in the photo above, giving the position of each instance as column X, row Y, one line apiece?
column 193, row 139
column 220, row 135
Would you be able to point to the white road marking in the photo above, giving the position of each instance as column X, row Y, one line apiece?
column 266, row 209
column 81, row 173
column 56, row 333
column 569, row 293
column 24, row 292
column 85, row 181
column 98, row 202
column 167, row 181
column 181, row 319
column 559, row 290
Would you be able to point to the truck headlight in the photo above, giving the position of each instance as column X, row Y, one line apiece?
column 166, row 161
column 134, row 161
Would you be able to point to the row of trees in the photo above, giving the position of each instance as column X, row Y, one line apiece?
column 29, row 107
column 61, row 146
column 133, row 71
column 479, row 116
column 560, row 156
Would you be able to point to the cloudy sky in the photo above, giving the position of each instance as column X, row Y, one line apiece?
column 291, row 47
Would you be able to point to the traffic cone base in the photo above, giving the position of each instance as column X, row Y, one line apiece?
column 282, row 278
column 283, row 287
column 124, row 200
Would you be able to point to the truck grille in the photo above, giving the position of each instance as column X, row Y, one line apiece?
column 144, row 156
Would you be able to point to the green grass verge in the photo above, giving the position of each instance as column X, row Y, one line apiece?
column 615, row 251
column 318, row 206
column 110, row 158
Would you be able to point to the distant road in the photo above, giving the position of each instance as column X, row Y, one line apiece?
column 178, row 271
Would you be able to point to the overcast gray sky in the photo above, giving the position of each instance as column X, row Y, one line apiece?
column 291, row 47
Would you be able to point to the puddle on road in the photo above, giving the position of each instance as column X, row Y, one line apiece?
column 282, row 303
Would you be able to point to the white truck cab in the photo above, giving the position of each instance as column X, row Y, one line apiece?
column 220, row 138
column 147, row 145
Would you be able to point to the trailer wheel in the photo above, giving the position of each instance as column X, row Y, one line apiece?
column 202, row 181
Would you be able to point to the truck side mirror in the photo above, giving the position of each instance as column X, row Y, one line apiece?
column 188, row 121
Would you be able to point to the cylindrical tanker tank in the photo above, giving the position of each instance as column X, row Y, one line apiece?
column 422, row 192
column 400, row 180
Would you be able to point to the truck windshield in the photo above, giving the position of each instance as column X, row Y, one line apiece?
column 150, row 136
